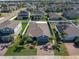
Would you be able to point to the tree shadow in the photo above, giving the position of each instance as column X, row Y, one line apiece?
column 18, row 49
column 75, row 46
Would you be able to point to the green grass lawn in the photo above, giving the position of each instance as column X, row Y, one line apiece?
column 23, row 20
column 62, row 52
column 24, row 52
column 24, row 24
column 1, row 15
column 76, row 21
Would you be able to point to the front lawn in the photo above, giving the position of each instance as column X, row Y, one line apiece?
column 22, row 51
column 62, row 52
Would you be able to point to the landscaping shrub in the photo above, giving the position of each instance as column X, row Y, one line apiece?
column 18, row 48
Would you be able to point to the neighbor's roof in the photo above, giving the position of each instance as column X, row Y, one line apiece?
column 23, row 13
column 10, row 24
column 72, row 30
column 38, row 12
column 71, row 13
column 53, row 15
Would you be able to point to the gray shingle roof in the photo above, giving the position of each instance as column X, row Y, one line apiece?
column 38, row 29
column 10, row 24
column 72, row 30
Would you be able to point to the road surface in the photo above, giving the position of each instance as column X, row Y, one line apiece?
column 8, row 16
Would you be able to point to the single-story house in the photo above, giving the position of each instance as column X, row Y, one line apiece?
column 23, row 15
column 68, row 31
column 55, row 8
column 30, row 7
column 6, row 31
column 54, row 16
column 75, row 6
column 71, row 14
column 6, row 35
column 52, row 8
column 13, row 6
column 5, row 9
column 15, row 25
column 39, row 31
column 37, row 15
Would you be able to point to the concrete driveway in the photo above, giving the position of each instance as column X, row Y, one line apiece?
column 71, row 49
column 2, row 52
column 44, row 53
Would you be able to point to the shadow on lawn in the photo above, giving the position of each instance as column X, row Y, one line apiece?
column 18, row 49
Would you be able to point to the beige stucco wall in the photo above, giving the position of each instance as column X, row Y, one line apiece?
column 18, row 29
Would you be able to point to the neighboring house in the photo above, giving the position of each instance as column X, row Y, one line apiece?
column 68, row 31
column 54, row 16
column 6, row 35
column 13, row 6
column 16, row 26
column 55, row 8
column 52, row 7
column 40, row 31
column 75, row 6
column 71, row 14
column 5, row 9
column 37, row 15
column 30, row 7
column 23, row 15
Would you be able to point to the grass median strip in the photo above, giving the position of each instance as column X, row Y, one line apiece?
column 24, row 24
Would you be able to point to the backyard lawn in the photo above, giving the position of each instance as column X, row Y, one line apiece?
column 24, row 24
column 23, row 20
